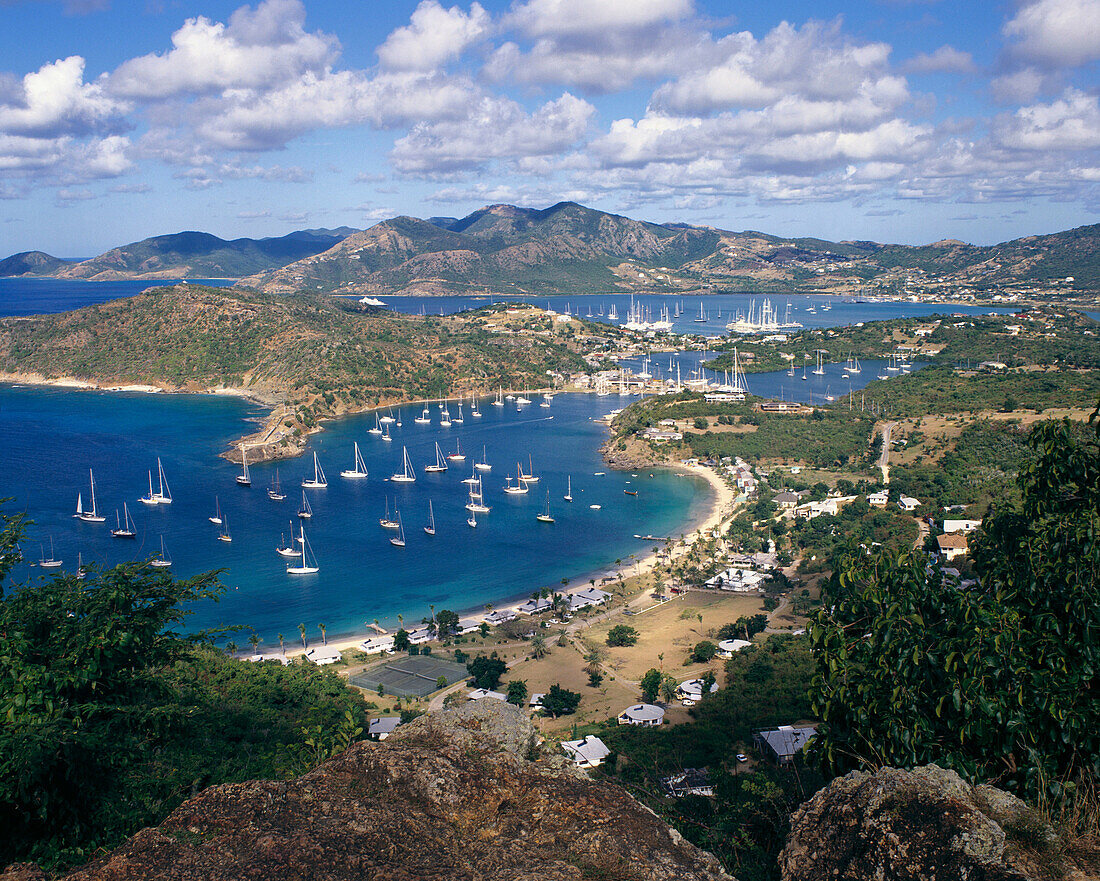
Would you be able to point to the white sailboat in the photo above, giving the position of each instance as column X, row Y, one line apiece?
column 163, row 495
column 407, row 475
column 163, row 561
column 483, row 465
column 477, row 500
column 386, row 433
column 80, row 572
column 224, row 534
column 457, row 455
column 530, row 476
column 52, row 562
column 474, row 411
column 546, row 399
column 318, row 481
column 471, row 521
column 377, row 425
column 522, row 399
column 307, row 553
column 305, row 512
column 545, row 517
column 386, row 522
column 568, row 489
column 458, row 420
column 217, row 518
column 359, row 468
column 430, row 528
column 424, row 418
column 93, row 515
column 521, row 486
column 275, row 492
column 499, row 402
column 702, row 315
column 288, row 550
column 244, row 478
column 820, row 369
column 440, row 463
column 123, row 529
column 472, row 479
column 445, row 415
column 398, row 541
column 388, row 418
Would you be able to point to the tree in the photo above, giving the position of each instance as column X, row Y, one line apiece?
column 486, row 671
column 302, row 631
column 483, row 629
column 282, row 647
column 254, row 641
column 651, row 684
column 985, row 679
column 401, row 640
column 708, row 681
column 324, row 634
column 668, row 687
column 538, row 646
column 447, row 622
column 622, row 635
column 703, row 651
column 559, row 701
column 517, row 692
column 440, row 682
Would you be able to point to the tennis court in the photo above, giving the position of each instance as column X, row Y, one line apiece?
column 412, row 676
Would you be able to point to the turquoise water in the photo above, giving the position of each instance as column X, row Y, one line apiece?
column 52, row 437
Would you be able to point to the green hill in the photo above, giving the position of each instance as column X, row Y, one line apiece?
column 30, row 263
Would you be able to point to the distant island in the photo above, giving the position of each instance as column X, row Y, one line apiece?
column 571, row 249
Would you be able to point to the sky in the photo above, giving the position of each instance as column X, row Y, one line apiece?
column 892, row 120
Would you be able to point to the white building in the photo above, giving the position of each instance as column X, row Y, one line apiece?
column 533, row 607
column 908, row 503
column 500, row 616
column 587, row 596
column 961, row 525
column 374, row 645
column 642, row 714
column 692, row 690
column 879, row 499
column 482, row 693
column 727, row 647
column 323, row 655
column 588, row 752
column 382, row 727
column 737, row 579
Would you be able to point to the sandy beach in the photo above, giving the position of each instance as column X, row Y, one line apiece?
column 719, row 509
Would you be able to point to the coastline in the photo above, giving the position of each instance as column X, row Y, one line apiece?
column 717, row 511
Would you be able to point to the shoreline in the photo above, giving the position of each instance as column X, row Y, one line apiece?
column 717, row 511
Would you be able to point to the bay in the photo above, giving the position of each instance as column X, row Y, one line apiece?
column 39, row 296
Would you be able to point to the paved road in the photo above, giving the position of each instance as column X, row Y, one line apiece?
column 884, row 459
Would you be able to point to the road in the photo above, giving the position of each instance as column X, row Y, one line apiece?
column 884, row 459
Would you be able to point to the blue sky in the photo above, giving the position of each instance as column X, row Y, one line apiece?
column 893, row 120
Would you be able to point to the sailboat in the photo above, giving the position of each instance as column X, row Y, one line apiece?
column 530, row 476
column 499, row 402
column 288, row 550
column 407, row 475
column 702, row 315
column 398, row 541
column 163, row 496
column 305, row 511
column 386, row 522
column 359, row 469
column 123, row 529
column 424, row 418
column 217, row 518
column 803, row 368
column 440, row 463
column 377, row 425
column 477, row 500
column 91, row 516
column 244, row 478
column 820, row 369
column 545, row 517
column 471, row 521
column 568, row 489
column 318, row 481
column 80, row 573
column 474, row 411
column 430, row 528
column 445, row 415
column 388, row 418
column 483, row 465
column 307, row 551
column 51, row 563
column 458, row 420
column 163, row 561
column 522, row 399
column 275, row 492
column 386, row 433
column 546, row 399
column 472, row 479
column 457, row 455
column 224, row 534
column 521, row 486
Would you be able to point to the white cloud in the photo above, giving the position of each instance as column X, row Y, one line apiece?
column 1056, row 33
column 259, row 48
column 1070, row 123
column 495, row 129
column 573, row 18
column 946, row 59
column 1018, row 86
column 56, row 101
column 434, row 36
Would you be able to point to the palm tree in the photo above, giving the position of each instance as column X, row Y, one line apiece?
column 538, row 646
column 401, row 622
column 282, row 648
column 255, row 640
column 432, row 607
column 324, row 636
column 302, row 630
column 231, row 648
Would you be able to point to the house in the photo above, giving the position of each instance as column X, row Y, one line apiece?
column 692, row 690
column 588, row 752
column 587, row 596
column 376, row 645
column 784, row 743
column 642, row 714
column 258, row 659
column 421, row 635
column 323, row 655
column 382, row 727
column 961, row 525
column 727, row 647
column 878, row 499
column 481, row 693
column 815, row 509
column 661, row 435
column 690, row 781
column 535, row 702
column 500, row 616
column 736, row 579
column 534, row 606
column 468, row 625
column 908, row 503
column 952, row 545
column 786, row 499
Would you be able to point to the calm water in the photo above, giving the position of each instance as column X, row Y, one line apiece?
column 35, row 296
column 51, row 437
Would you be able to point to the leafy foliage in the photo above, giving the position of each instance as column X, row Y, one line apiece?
column 486, row 670
column 622, row 635
column 989, row 678
column 560, row 701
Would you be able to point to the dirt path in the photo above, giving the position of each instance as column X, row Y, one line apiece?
column 884, row 458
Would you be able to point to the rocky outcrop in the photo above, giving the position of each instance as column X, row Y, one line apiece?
column 461, row 794
column 922, row 825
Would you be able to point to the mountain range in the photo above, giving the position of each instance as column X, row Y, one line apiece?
column 568, row 248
